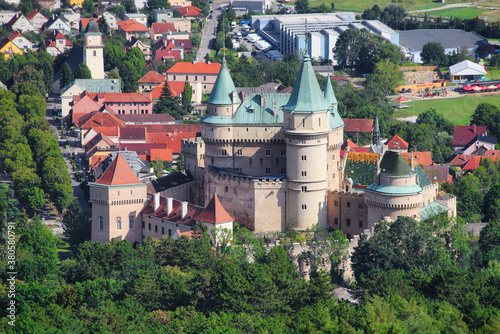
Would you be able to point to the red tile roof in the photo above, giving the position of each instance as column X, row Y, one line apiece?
column 338, row 78
column 118, row 173
column 131, row 25
column 397, row 142
column 162, row 55
column 175, row 215
column 183, row 43
column 121, row 97
column 492, row 153
column 85, row 22
column 176, row 87
column 15, row 34
column 472, row 164
column 198, row 68
column 160, row 28
column 460, row 159
column 31, row 15
column 358, row 125
column 438, row 173
column 421, row 158
column 100, row 119
column 464, row 134
column 132, row 133
column 348, row 143
column 153, row 77
column 134, row 119
column 214, row 213
column 189, row 11
column 15, row 18
column 96, row 140
column 163, row 154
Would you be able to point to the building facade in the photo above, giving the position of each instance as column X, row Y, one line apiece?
column 93, row 51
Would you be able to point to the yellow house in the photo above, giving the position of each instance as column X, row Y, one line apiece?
column 75, row 2
column 8, row 49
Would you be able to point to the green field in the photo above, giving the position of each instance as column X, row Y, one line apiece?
column 465, row 13
column 361, row 5
column 457, row 110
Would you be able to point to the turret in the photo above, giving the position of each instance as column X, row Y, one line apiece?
column 223, row 100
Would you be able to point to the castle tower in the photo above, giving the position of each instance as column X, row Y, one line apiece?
column 376, row 130
column 335, row 140
column 93, row 51
column 306, row 128
column 221, row 104
column 117, row 200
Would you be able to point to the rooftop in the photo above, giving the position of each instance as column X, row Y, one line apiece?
column 198, row 68
column 118, row 173
column 153, row 77
column 394, row 164
column 223, row 88
column 132, row 25
column 414, row 40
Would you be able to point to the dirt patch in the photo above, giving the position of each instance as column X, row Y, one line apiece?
column 420, row 77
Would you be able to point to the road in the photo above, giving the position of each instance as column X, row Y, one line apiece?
column 209, row 31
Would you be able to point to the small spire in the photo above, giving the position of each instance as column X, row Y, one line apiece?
column 376, row 130
column 328, row 93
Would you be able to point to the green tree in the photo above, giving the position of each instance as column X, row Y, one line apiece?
column 302, row 6
column 491, row 204
column 31, row 106
column 433, row 54
column 118, row 10
column 187, row 96
column 129, row 6
column 158, row 167
column 103, row 26
column 45, row 66
column 487, row 115
column 129, row 77
column 495, row 60
column 348, row 46
column 113, row 75
column 136, row 56
column 385, row 77
column 88, row 6
column 168, row 104
column 393, row 15
column 83, row 72
column 26, row 186
column 77, row 224
column 66, row 75
column 30, row 75
column 489, row 241
column 432, row 117
column 113, row 56
column 180, row 163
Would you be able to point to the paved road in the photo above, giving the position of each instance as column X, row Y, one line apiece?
column 209, row 31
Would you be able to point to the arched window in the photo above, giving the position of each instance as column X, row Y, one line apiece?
column 95, row 53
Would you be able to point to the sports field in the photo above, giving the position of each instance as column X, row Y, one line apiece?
column 361, row 5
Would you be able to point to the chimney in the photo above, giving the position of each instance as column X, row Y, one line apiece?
column 184, row 209
column 261, row 100
column 170, row 205
column 474, row 128
column 157, row 201
column 208, row 62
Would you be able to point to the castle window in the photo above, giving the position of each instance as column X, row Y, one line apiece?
column 175, row 77
column 304, row 173
column 239, row 151
column 381, row 216
column 143, row 224
column 131, row 222
column 118, row 223
column 228, row 129
column 149, row 226
column 156, row 228
column 95, row 53
column 348, row 222
column 283, row 153
column 162, row 230
column 195, row 78
column 169, row 232
column 304, row 189
column 101, row 222
column 335, row 221
column 360, row 223
column 303, row 123
column 268, row 153
column 333, row 157
column 304, row 158
column 304, row 207
column 348, row 204
column 333, row 175
column 223, row 152
column 283, row 170
column 118, row 193
column 335, row 203
column 226, row 189
column 187, row 77
column 269, row 170
column 360, row 206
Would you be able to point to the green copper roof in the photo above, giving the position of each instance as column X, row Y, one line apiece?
column 405, row 190
column 423, row 179
column 257, row 109
column 329, row 94
column 432, row 209
column 394, row 164
column 306, row 94
column 223, row 87
column 335, row 120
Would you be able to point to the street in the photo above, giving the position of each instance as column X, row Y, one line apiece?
column 209, row 31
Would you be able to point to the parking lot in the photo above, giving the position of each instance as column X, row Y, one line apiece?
column 255, row 43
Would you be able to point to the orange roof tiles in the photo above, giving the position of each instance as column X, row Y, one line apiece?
column 214, row 213
column 492, row 153
column 397, row 142
column 163, row 27
column 198, row 68
column 85, row 22
column 100, row 119
column 176, row 87
column 421, row 158
column 189, row 11
column 31, row 15
column 118, row 173
column 358, row 125
column 131, row 25
column 163, row 154
column 152, row 76
column 14, row 35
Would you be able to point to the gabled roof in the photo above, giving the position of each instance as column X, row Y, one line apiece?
column 214, row 213
column 358, row 125
column 162, row 55
column 100, row 119
column 421, row 158
column 437, row 173
column 397, row 142
column 145, row 118
column 153, row 77
column 14, row 19
column 198, row 68
column 491, row 153
column 96, row 140
column 168, row 181
column 182, row 43
column 85, row 21
column 348, row 143
column 14, row 35
column 31, row 15
column 163, row 27
column 460, row 159
column 223, row 88
column 176, row 214
column 472, row 164
column 118, row 173
column 467, row 68
column 338, row 78
column 481, row 138
column 176, row 87
column 306, row 95
column 464, row 134
column 189, row 11
column 132, row 133
column 132, row 25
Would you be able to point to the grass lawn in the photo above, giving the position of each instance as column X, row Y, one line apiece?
column 361, row 5
column 465, row 13
column 457, row 110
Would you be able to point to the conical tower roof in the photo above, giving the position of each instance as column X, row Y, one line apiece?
column 214, row 213
column 329, row 94
column 306, row 95
column 118, row 173
column 394, row 164
column 223, row 87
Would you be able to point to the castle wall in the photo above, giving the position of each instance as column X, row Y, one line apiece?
column 333, row 162
column 181, row 193
column 194, row 163
column 347, row 212
column 111, row 204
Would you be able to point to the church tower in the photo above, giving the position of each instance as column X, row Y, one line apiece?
column 306, row 128
column 93, row 51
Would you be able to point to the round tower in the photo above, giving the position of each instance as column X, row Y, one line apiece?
column 93, row 50
column 306, row 128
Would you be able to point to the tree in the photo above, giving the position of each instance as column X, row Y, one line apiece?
column 30, row 76
column 348, row 46
column 488, row 115
column 45, row 66
column 432, row 117
column 389, row 51
column 463, row 54
column 66, row 75
column 302, row 6
column 77, row 224
column 113, row 56
column 26, row 186
column 103, row 26
column 136, row 56
column 180, row 163
column 392, row 15
column 433, row 54
column 118, row 10
column 168, row 104
column 495, row 60
column 489, row 241
column 491, row 204
column 129, row 6
column 31, row 106
column 83, row 72
column 88, row 6
column 129, row 77
column 159, row 4
column 484, row 50
column 187, row 96
column 113, row 75
column 385, row 77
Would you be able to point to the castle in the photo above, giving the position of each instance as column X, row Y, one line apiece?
column 273, row 161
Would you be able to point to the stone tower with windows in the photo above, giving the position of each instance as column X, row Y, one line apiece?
column 93, row 51
column 117, row 200
column 306, row 128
